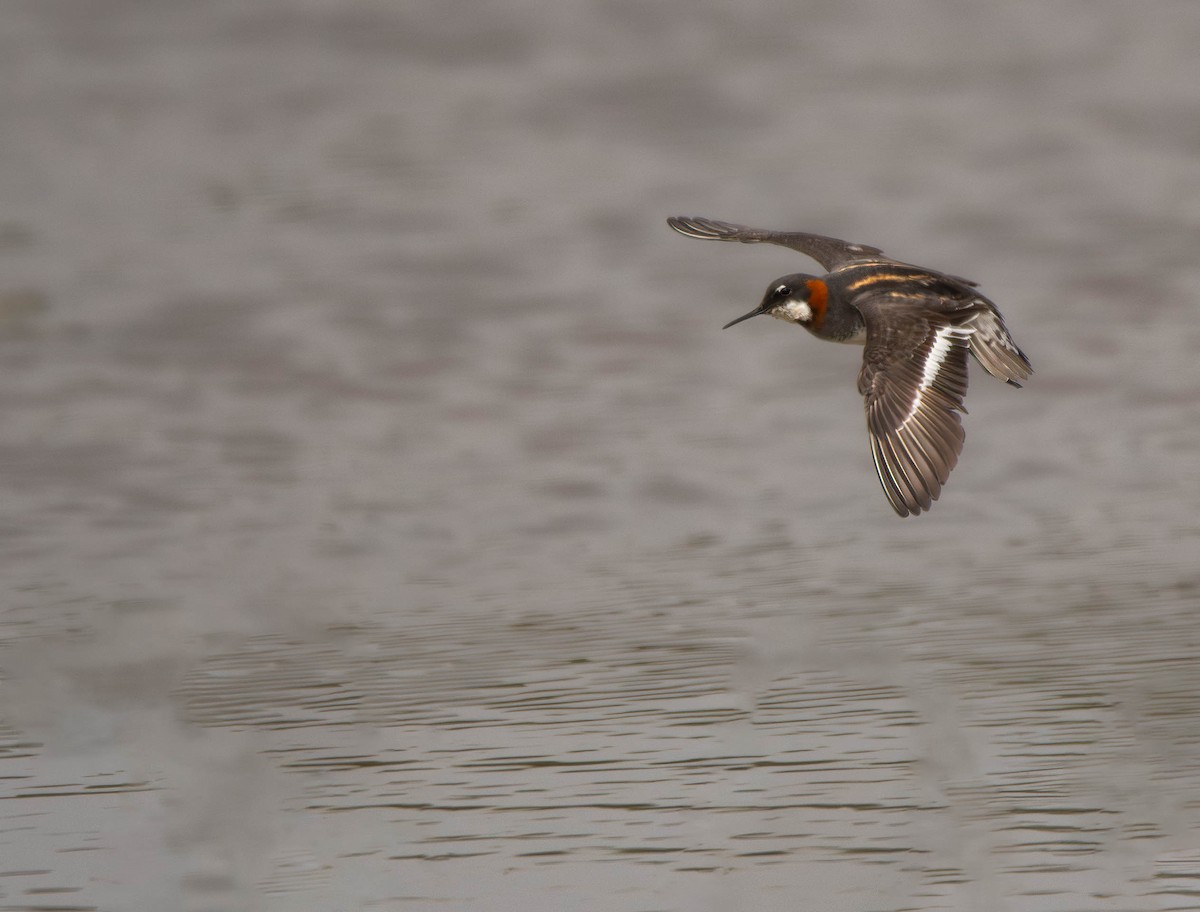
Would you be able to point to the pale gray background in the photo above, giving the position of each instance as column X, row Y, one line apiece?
column 387, row 524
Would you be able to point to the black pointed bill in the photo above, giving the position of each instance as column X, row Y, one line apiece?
column 754, row 313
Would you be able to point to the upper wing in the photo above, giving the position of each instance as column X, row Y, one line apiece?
column 913, row 378
column 831, row 253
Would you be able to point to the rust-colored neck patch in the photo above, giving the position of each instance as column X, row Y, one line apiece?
column 818, row 300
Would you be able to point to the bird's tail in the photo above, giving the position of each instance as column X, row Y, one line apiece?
column 994, row 348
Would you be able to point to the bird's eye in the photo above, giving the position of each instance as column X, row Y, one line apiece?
column 783, row 291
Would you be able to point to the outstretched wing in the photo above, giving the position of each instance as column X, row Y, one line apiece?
column 831, row 253
column 913, row 378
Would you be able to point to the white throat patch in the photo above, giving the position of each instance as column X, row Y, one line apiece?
column 794, row 312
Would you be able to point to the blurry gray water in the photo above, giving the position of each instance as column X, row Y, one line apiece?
column 388, row 524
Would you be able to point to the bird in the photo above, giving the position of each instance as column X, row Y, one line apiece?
column 916, row 326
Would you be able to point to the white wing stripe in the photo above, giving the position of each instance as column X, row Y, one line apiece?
column 943, row 343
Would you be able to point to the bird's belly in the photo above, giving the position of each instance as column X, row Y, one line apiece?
column 857, row 336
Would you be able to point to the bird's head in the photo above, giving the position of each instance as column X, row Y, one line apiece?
column 795, row 298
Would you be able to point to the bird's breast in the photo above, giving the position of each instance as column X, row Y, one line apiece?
column 845, row 326
column 857, row 336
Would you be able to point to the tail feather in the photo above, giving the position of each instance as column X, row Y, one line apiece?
column 994, row 348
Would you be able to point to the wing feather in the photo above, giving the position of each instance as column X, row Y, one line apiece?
column 913, row 381
column 831, row 253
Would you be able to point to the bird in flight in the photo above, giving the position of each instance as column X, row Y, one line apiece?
column 916, row 327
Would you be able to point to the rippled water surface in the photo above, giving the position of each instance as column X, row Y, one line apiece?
column 387, row 524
